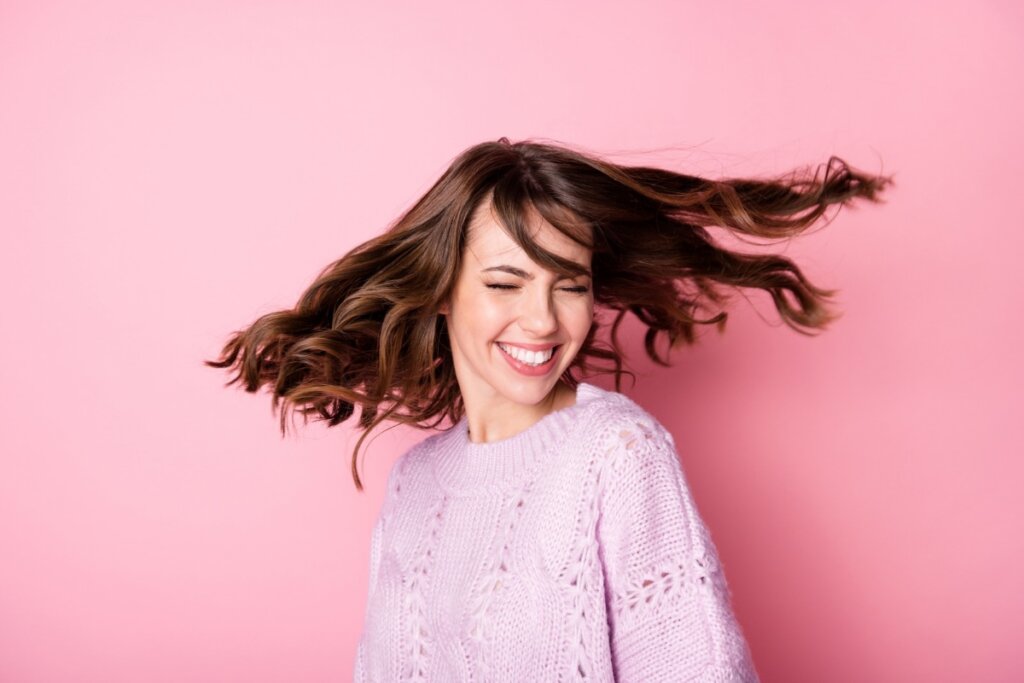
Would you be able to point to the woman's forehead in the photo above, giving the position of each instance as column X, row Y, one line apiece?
column 489, row 241
column 488, row 237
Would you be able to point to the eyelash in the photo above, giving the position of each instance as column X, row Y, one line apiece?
column 575, row 290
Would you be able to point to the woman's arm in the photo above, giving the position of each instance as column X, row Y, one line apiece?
column 668, row 603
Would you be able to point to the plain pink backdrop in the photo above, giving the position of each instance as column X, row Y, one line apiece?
column 171, row 170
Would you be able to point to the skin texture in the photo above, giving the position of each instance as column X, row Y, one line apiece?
column 542, row 309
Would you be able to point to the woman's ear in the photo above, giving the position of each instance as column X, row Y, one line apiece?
column 443, row 308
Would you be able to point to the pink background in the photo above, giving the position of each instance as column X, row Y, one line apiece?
column 169, row 171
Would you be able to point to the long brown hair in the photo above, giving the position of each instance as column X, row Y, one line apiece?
column 367, row 331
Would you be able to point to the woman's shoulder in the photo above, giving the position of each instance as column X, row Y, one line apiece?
column 417, row 456
column 627, row 446
column 614, row 415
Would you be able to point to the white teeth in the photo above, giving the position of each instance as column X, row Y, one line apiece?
column 528, row 357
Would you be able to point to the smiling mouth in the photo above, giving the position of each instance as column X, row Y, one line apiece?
column 505, row 349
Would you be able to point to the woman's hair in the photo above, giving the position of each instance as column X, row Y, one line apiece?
column 368, row 331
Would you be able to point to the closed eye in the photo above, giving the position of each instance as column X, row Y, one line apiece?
column 575, row 290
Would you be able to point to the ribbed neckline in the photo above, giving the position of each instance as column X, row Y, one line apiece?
column 461, row 466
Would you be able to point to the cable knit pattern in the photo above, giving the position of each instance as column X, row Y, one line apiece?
column 571, row 551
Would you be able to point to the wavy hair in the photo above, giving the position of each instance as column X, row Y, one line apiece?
column 368, row 331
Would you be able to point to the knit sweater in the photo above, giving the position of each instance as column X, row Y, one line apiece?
column 572, row 550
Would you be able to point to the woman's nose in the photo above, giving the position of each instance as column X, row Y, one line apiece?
column 538, row 315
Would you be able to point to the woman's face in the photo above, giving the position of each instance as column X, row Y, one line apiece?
column 507, row 313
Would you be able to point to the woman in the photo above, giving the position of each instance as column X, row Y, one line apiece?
column 550, row 533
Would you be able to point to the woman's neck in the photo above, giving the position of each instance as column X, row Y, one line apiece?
column 496, row 424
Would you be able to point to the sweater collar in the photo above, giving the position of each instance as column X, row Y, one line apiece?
column 461, row 466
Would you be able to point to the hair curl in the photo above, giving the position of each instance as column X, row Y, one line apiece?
column 368, row 331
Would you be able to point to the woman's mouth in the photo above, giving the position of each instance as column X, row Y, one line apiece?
column 531, row 363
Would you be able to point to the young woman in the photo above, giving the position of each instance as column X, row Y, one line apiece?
column 548, row 534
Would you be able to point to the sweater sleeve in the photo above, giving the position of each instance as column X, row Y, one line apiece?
column 668, row 604
column 376, row 550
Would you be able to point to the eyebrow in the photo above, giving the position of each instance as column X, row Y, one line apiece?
column 518, row 272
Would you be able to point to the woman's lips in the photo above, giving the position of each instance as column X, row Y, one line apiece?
column 530, row 347
column 532, row 370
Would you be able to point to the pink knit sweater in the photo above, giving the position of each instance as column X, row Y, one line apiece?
column 570, row 551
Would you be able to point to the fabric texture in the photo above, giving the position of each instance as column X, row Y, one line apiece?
column 571, row 551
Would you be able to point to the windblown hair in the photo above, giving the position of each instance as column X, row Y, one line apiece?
column 368, row 331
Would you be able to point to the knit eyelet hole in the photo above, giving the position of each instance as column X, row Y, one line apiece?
column 632, row 439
